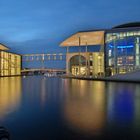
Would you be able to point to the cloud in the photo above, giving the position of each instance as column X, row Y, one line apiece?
column 40, row 25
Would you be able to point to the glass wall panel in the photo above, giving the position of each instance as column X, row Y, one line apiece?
column 78, row 65
column 90, row 65
column 122, row 52
column 10, row 64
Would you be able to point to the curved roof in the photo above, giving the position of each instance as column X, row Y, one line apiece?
column 127, row 25
column 84, row 39
column 3, row 47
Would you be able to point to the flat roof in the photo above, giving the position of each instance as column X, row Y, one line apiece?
column 3, row 47
column 85, row 38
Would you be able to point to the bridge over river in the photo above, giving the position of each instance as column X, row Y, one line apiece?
column 29, row 58
column 43, row 70
column 43, row 57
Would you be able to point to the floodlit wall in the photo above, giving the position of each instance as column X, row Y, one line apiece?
column 97, row 64
column 85, row 64
column 10, row 64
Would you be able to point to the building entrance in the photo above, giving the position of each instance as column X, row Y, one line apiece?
column 78, row 65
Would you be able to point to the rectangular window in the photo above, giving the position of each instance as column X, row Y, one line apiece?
column 120, row 61
column 110, row 62
column 110, row 53
column 129, row 60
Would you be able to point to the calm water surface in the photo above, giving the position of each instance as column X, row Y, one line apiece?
column 39, row 108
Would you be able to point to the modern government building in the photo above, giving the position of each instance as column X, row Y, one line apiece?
column 103, row 53
column 96, row 53
column 10, row 64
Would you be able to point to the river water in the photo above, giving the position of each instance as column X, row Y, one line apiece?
column 40, row 108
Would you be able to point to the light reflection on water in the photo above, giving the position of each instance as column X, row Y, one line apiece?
column 84, row 107
column 55, row 108
column 10, row 95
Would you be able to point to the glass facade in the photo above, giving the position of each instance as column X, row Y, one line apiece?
column 78, row 65
column 10, row 64
column 122, row 51
column 90, row 64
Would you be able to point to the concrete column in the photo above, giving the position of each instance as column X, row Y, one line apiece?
column 68, row 49
column 79, row 56
column 137, row 52
column 67, row 64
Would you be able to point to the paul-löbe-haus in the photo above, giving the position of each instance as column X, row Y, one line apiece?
column 10, row 64
column 104, row 52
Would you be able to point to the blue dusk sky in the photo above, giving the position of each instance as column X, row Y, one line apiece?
column 39, row 26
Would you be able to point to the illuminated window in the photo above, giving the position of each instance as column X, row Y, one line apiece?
column 120, row 61
column 130, row 60
column 10, row 64
column 91, row 57
column 109, row 53
column 110, row 61
column 139, row 33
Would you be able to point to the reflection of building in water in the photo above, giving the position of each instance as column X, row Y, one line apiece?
column 10, row 94
column 85, row 112
column 120, row 103
column 137, row 107
column 43, row 92
column 10, row 64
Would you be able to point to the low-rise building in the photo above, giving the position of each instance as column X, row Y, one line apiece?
column 10, row 63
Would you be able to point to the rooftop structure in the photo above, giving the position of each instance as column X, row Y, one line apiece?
column 84, row 38
column 3, row 47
